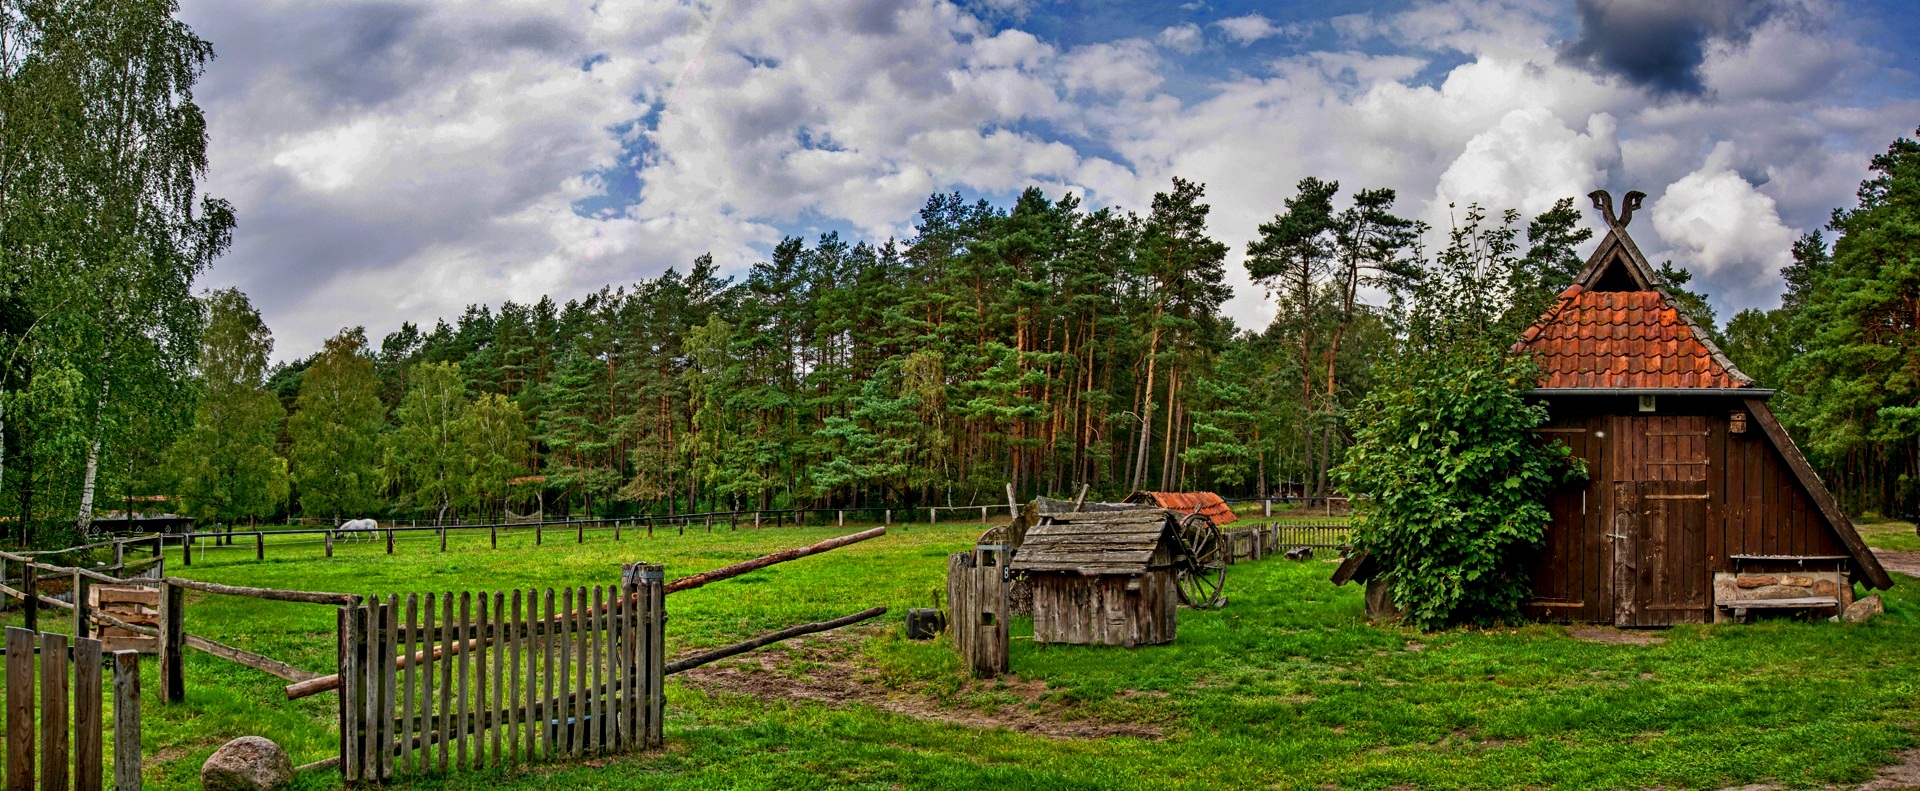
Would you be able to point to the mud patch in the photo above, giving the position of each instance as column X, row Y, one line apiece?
column 830, row 671
column 1611, row 636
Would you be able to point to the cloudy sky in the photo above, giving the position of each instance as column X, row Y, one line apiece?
column 398, row 160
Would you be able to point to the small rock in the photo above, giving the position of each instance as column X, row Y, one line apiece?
column 1758, row 580
column 1865, row 609
column 1798, row 582
column 249, row 763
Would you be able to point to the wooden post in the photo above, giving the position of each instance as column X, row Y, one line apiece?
column 539, row 532
column 843, row 518
column 20, row 752
column 173, row 638
column 756, row 520
column 1266, row 507
column 329, row 543
column 119, row 553
column 933, row 516
column 616, row 529
column 889, row 517
column 30, row 605
column 259, row 546
column 389, row 540
column 493, row 534
column 443, row 538
column 82, row 617
column 580, row 533
column 126, row 720
column 186, row 548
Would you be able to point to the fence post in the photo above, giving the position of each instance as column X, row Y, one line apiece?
column 1266, row 507
column 580, row 533
column 119, row 553
column 756, row 520
column 186, row 548
column 87, row 723
column 443, row 538
column 933, row 516
column 20, row 747
column 843, row 518
column 493, row 534
column 329, row 543
column 55, row 757
column 889, row 517
column 389, row 540
column 259, row 546
column 173, row 637
column 82, row 618
column 539, row 532
column 126, row 720
column 30, row 604
column 616, row 530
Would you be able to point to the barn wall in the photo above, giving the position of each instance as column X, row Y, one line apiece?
column 1703, row 494
column 1102, row 610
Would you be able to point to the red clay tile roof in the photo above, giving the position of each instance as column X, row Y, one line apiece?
column 1621, row 339
column 1186, row 502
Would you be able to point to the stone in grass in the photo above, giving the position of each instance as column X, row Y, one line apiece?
column 1865, row 609
column 249, row 763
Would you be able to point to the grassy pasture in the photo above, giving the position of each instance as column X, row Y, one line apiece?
column 1286, row 687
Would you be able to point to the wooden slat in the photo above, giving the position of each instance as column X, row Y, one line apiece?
column 480, row 697
column 429, row 702
column 597, row 638
column 655, row 657
column 449, row 706
column 409, row 692
column 173, row 613
column 268, row 665
column 577, row 733
column 126, row 721
column 465, row 690
column 515, row 751
column 88, row 724
column 54, row 754
column 618, row 637
column 499, row 697
column 390, row 689
column 550, row 647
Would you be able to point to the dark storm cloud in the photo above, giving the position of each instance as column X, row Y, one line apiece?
column 1660, row 44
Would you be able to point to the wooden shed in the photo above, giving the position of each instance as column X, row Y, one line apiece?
column 1187, row 503
column 1102, row 578
column 1699, row 505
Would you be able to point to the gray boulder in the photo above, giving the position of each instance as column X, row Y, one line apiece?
column 249, row 763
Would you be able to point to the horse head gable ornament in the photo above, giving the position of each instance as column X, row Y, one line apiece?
column 1604, row 202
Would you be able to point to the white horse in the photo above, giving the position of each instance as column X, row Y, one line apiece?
column 358, row 528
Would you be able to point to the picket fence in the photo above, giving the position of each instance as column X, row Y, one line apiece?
column 62, row 717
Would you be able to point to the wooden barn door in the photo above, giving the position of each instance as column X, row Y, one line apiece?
column 1660, row 519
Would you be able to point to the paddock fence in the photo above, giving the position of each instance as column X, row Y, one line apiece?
column 56, row 730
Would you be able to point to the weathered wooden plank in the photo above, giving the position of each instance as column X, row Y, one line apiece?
column 389, row 685
column 715, row 655
column 88, row 724
column 54, row 746
column 499, row 679
column 173, row 614
column 409, row 692
column 656, row 652
column 126, row 721
column 481, row 680
column 1626, row 561
column 581, row 659
column 448, row 711
column 549, row 647
column 596, row 712
column 268, row 665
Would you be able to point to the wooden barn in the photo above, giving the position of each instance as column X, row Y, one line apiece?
column 1187, row 503
column 1102, row 578
column 1698, row 505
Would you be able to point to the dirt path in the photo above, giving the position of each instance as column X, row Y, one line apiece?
column 1907, row 563
column 830, row 670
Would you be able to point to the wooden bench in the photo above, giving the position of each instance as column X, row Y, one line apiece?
column 1741, row 606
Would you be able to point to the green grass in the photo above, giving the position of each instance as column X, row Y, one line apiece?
column 1888, row 534
column 1286, row 687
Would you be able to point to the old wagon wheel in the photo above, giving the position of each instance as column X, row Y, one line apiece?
column 1201, row 573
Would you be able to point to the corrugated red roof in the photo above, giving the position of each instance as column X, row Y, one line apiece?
column 1187, row 502
column 1621, row 339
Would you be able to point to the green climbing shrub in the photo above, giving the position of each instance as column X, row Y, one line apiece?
column 1449, row 480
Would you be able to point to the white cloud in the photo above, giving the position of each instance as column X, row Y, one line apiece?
column 1248, row 29
column 1720, row 225
column 1182, row 38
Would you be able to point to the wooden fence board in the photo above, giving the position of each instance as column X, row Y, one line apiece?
column 20, row 755
column 88, row 726
column 54, row 665
column 126, row 721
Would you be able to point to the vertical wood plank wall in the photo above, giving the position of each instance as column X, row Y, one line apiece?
column 1704, row 495
column 501, row 680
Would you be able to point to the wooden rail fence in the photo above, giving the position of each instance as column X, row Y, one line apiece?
column 63, row 720
column 495, row 679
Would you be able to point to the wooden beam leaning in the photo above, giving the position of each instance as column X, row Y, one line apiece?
column 268, row 665
column 709, row 657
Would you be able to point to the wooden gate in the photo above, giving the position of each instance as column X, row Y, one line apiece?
column 1660, row 520
column 64, row 719
column 490, row 679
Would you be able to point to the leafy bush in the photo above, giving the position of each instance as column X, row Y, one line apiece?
column 1450, row 482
